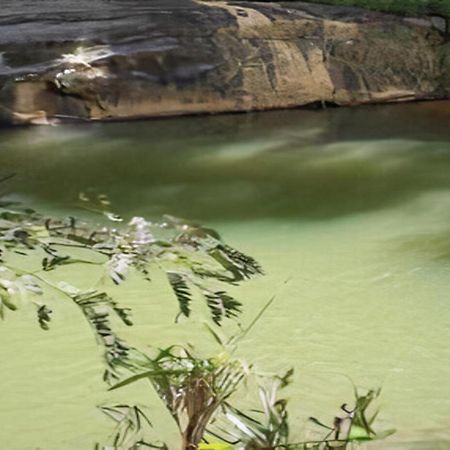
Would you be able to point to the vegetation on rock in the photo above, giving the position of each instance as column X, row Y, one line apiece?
column 440, row 8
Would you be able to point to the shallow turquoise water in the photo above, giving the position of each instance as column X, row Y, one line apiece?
column 351, row 205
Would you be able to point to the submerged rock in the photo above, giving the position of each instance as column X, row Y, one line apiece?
column 120, row 59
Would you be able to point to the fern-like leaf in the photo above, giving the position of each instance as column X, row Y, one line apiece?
column 240, row 265
column 181, row 290
column 221, row 305
column 44, row 316
column 96, row 307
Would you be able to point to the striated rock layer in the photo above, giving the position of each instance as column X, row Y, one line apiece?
column 120, row 59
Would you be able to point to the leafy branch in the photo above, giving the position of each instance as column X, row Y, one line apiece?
column 191, row 257
column 131, row 425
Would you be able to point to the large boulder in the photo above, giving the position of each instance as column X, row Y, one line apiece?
column 120, row 59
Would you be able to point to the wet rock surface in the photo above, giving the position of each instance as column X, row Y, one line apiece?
column 119, row 59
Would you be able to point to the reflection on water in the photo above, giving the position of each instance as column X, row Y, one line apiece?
column 352, row 204
column 307, row 164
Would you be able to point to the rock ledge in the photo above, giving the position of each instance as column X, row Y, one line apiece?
column 123, row 59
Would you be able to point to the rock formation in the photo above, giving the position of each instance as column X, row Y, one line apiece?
column 121, row 59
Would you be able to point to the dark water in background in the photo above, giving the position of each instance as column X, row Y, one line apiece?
column 352, row 204
column 305, row 164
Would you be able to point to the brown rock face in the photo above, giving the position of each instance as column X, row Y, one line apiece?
column 120, row 59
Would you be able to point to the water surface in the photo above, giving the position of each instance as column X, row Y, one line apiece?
column 351, row 205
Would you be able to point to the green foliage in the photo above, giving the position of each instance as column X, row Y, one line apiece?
column 264, row 429
column 194, row 259
column 182, row 292
column 131, row 427
column 403, row 7
column 192, row 388
column 215, row 446
column 352, row 425
column 96, row 308
column 44, row 316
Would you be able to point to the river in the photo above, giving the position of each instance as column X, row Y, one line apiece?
column 348, row 212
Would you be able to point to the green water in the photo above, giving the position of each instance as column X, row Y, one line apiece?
column 351, row 205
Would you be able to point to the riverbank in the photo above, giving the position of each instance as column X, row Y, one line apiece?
column 102, row 60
